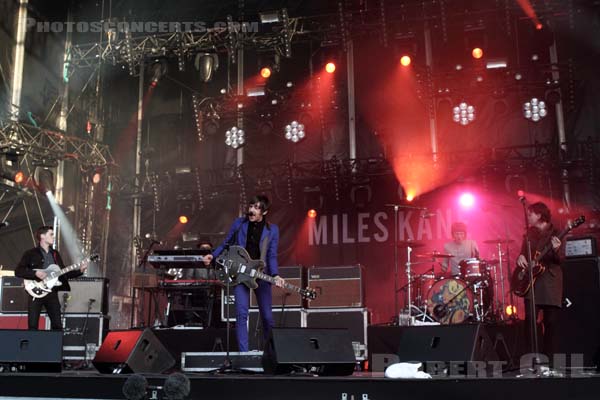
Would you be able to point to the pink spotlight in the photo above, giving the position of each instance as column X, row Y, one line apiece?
column 467, row 200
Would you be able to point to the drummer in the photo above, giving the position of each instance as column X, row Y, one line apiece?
column 461, row 248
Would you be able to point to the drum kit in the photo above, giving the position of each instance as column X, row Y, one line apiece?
column 471, row 296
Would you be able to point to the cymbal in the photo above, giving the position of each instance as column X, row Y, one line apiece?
column 434, row 255
column 409, row 243
column 498, row 241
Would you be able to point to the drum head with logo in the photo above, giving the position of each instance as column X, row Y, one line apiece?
column 450, row 301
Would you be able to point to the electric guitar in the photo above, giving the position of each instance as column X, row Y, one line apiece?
column 39, row 289
column 520, row 282
column 235, row 266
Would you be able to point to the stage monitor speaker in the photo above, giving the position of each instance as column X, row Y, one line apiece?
column 320, row 351
column 134, row 351
column 579, row 318
column 446, row 343
column 31, row 351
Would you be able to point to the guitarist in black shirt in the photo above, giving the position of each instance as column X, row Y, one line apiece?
column 548, row 285
column 41, row 257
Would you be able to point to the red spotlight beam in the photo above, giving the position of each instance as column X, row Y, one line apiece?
column 530, row 12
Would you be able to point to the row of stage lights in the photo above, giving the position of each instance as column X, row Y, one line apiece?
column 236, row 137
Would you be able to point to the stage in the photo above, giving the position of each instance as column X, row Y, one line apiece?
column 363, row 386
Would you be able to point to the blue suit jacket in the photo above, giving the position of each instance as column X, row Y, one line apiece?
column 268, row 243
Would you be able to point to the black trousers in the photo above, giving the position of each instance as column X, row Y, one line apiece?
column 52, row 305
column 549, row 334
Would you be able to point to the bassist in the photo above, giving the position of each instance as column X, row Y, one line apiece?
column 41, row 257
column 548, row 285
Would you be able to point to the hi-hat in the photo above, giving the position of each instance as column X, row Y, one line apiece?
column 498, row 241
column 434, row 255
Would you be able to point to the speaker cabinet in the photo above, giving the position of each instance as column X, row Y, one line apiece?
column 282, row 296
column 321, row 351
column 336, row 286
column 87, row 295
column 580, row 321
column 31, row 351
column 454, row 343
column 132, row 351
column 14, row 296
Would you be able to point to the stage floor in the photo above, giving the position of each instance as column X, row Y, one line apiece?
column 360, row 386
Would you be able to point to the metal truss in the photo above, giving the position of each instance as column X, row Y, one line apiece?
column 50, row 146
column 132, row 50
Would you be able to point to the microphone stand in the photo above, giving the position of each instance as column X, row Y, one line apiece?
column 533, row 316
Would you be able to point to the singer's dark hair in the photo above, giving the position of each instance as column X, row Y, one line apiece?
column 42, row 230
column 135, row 387
column 177, row 386
column 541, row 209
column 262, row 201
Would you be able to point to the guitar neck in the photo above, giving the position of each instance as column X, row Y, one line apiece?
column 70, row 268
column 548, row 245
column 286, row 285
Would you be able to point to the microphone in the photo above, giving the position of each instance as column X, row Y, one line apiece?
column 92, row 301
column 4, row 223
column 522, row 197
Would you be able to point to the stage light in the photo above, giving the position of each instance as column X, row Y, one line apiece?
column 534, row 109
column 405, row 61
column 19, row 177
column 294, row 131
column 269, row 17
column 539, row 26
column 45, row 180
column 312, row 213
column 330, row 67
column 521, row 193
column 463, row 113
column 96, row 178
column 410, row 197
column 265, row 72
column 466, row 200
column 235, row 137
column 477, row 53
column 158, row 69
column 199, row 117
column 511, row 310
column 206, row 64
column 183, row 219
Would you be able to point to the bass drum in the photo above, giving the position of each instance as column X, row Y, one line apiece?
column 450, row 301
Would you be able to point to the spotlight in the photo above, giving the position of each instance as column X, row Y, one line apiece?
column 312, row 213
column 511, row 310
column 463, row 113
column 539, row 26
column 158, row 69
column 183, row 219
column 265, row 72
column 235, row 137
column 199, row 117
column 206, row 64
column 96, row 178
column 9, row 170
column 466, row 200
column 534, row 109
column 294, row 132
column 405, row 61
column 330, row 67
column 477, row 53
column 45, row 180
column 410, row 197
column 269, row 17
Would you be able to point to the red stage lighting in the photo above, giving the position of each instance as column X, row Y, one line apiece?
column 265, row 72
column 405, row 61
column 466, row 200
column 511, row 310
column 539, row 26
column 19, row 177
column 183, row 219
column 330, row 67
column 521, row 193
column 312, row 213
column 477, row 53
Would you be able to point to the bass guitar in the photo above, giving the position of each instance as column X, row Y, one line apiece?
column 520, row 281
column 39, row 289
column 234, row 267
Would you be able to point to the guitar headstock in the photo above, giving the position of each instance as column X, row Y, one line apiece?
column 575, row 223
column 309, row 293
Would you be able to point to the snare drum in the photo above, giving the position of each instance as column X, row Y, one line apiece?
column 450, row 301
column 472, row 268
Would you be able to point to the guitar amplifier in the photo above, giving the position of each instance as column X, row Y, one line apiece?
column 336, row 286
column 87, row 295
column 292, row 275
column 13, row 294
